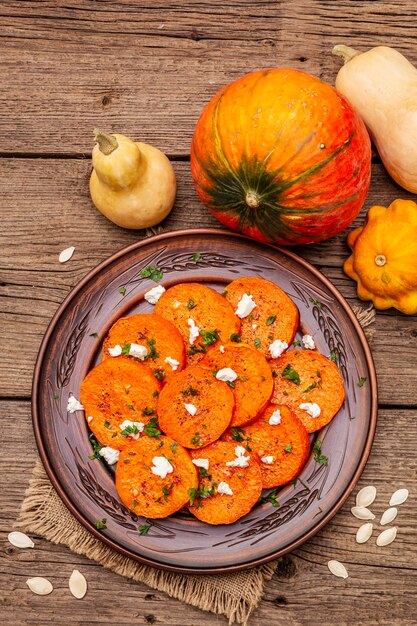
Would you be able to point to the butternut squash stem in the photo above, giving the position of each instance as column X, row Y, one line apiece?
column 106, row 143
column 345, row 52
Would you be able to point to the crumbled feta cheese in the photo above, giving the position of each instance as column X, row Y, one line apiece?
column 221, row 348
column 275, row 418
column 241, row 460
column 138, row 351
column 172, row 362
column 152, row 296
column 245, row 306
column 223, row 489
column 312, row 408
column 90, row 418
column 202, row 463
column 110, row 455
column 191, row 408
column 267, row 459
column 308, row 342
column 254, row 326
column 277, row 347
column 161, row 466
column 116, row 351
column 139, row 425
column 194, row 330
column 74, row 405
column 226, row 374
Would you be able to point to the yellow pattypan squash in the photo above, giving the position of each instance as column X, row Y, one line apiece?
column 384, row 257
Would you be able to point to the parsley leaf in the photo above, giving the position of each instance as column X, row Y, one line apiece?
column 191, row 304
column 129, row 430
column 143, row 530
column 100, row 524
column 237, row 433
column 290, row 374
column 95, row 335
column 310, row 387
column 361, row 381
column 318, row 456
column 147, row 411
column 126, row 349
column 288, row 449
column 196, row 439
column 196, row 257
column 152, row 428
column 296, row 343
column 195, row 349
column 236, row 337
column 155, row 394
column 159, row 374
column 96, row 448
column 333, row 356
column 224, row 292
column 209, row 336
column 122, row 290
column 257, row 343
column 272, row 498
column 167, row 490
column 153, row 354
column 271, row 319
column 316, row 303
column 174, row 446
column 190, row 391
column 152, row 272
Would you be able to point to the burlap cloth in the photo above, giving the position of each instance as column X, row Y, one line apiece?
column 233, row 595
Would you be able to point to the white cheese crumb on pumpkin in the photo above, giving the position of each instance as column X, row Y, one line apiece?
column 116, row 351
column 275, row 418
column 267, row 459
column 227, row 375
column 194, row 330
column 223, row 489
column 152, row 296
column 172, row 362
column 277, row 347
column 138, row 351
column 202, row 463
column 191, row 408
column 161, row 466
column 245, row 306
column 110, row 455
column 312, row 408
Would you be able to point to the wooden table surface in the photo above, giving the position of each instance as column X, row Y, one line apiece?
column 146, row 69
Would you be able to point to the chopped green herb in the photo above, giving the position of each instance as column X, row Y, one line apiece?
column 174, row 446
column 143, row 530
column 129, row 430
column 285, row 393
column 152, row 272
column 114, row 435
column 274, row 374
column 310, row 387
column 204, row 426
column 250, row 318
column 272, row 498
column 155, row 394
column 201, row 493
column 152, row 354
column 270, row 320
column 96, row 448
column 242, row 379
column 195, row 349
column 167, row 490
column 95, row 335
column 296, row 343
column 263, row 378
column 191, row 304
column 127, row 391
column 107, row 424
column 151, row 429
column 257, row 343
column 237, row 433
column 288, row 449
column 126, row 349
column 231, row 383
column 318, row 456
column 196, row 439
column 56, row 397
column 131, row 407
column 224, row 292
column 270, row 337
column 290, row 374
column 202, row 472
column 134, row 505
column 316, row 303
column 209, row 336
column 236, row 337
column 190, row 391
column 159, row 374
column 298, row 480
column 333, row 356
column 147, row 411
column 122, row 290
column 101, row 523
column 196, row 257
column 361, row 381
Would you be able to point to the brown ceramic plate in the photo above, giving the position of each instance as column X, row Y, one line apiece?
column 181, row 543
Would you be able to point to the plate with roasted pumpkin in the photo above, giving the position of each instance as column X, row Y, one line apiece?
column 204, row 403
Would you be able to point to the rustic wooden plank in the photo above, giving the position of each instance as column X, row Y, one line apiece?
column 380, row 583
column 48, row 209
column 148, row 70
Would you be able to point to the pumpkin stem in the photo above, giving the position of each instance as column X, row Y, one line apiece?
column 345, row 52
column 106, row 143
column 252, row 200
column 380, row 260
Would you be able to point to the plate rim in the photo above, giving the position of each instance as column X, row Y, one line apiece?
column 373, row 390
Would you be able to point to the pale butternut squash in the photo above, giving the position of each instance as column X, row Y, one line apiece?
column 382, row 86
column 133, row 184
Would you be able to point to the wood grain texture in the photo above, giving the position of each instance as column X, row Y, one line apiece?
column 381, row 580
column 123, row 60
column 147, row 69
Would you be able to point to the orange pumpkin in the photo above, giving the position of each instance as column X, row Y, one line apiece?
column 281, row 156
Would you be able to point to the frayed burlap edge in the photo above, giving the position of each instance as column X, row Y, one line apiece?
column 233, row 595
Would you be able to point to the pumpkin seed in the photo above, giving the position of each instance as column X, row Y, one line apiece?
column 360, row 512
column 337, row 569
column 77, row 584
column 366, row 496
column 386, row 537
column 399, row 497
column 20, row 540
column 40, row 586
column 388, row 516
column 364, row 533
column 66, row 254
